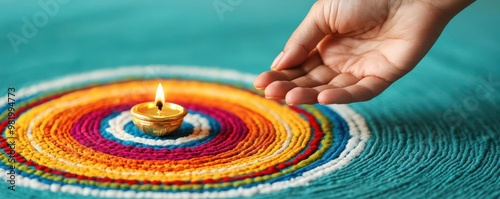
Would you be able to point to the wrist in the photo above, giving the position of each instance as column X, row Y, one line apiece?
column 449, row 7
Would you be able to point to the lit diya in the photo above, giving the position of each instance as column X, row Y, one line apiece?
column 158, row 118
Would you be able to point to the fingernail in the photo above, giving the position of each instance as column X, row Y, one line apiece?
column 257, row 87
column 273, row 97
column 276, row 61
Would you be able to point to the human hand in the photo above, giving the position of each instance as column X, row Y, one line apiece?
column 350, row 51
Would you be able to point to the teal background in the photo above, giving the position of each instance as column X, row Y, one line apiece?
column 434, row 135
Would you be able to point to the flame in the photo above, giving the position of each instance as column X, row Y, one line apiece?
column 160, row 97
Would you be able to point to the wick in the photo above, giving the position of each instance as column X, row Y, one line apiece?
column 159, row 105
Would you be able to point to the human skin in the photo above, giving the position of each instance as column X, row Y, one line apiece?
column 351, row 51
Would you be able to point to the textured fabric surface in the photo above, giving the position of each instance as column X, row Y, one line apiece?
column 433, row 134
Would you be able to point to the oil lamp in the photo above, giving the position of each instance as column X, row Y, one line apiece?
column 158, row 118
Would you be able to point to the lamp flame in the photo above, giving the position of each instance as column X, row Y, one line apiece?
column 160, row 97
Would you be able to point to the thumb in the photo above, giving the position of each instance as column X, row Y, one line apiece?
column 305, row 38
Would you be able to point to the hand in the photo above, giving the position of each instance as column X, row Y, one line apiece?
column 350, row 51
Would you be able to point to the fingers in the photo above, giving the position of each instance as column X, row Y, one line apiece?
column 304, row 95
column 278, row 89
column 304, row 39
column 365, row 89
column 300, row 95
column 342, row 89
column 320, row 75
column 343, row 80
column 266, row 78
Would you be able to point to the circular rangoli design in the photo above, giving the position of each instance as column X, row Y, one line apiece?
column 75, row 135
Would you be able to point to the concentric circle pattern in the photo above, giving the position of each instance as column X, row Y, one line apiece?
column 75, row 135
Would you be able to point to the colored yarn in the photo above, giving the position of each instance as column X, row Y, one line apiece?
column 75, row 135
